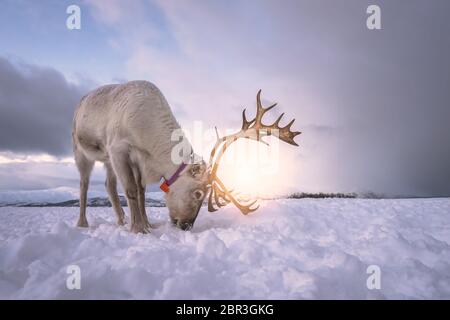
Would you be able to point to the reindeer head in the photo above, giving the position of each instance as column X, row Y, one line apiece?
column 187, row 194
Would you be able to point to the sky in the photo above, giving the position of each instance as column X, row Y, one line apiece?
column 372, row 105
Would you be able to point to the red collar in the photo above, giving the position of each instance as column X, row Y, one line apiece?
column 165, row 185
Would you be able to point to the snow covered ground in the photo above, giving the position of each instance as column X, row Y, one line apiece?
column 290, row 249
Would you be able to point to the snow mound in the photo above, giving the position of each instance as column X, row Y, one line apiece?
column 288, row 249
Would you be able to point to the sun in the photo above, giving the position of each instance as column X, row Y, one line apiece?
column 254, row 169
column 246, row 176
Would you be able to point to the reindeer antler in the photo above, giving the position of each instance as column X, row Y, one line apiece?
column 254, row 130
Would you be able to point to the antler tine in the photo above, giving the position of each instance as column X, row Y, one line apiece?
column 216, row 197
column 277, row 122
column 258, row 101
column 211, row 207
column 219, row 195
column 285, row 134
column 260, row 110
column 288, row 126
column 245, row 209
column 217, row 133
column 246, row 124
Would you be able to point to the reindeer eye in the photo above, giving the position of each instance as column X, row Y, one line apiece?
column 198, row 194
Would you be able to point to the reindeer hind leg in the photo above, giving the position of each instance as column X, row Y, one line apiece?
column 84, row 166
column 111, row 188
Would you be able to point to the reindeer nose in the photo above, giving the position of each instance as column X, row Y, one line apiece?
column 186, row 225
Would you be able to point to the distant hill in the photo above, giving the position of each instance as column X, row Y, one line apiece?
column 156, row 199
column 92, row 202
column 301, row 195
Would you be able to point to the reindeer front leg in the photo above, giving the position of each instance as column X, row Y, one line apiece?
column 141, row 196
column 123, row 167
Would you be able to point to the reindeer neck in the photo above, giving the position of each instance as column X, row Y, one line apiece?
column 172, row 159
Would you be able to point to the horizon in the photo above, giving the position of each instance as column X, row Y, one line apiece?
column 68, row 197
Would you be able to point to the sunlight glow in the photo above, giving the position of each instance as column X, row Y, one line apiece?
column 257, row 170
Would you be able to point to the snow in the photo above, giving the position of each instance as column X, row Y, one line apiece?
column 288, row 249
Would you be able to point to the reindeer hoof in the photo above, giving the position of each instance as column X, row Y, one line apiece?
column 82, row 223
column 139, row 229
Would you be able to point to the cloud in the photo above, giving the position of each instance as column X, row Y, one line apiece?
column 36, row 109
column 45, row 175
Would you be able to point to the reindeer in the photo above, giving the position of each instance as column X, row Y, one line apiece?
column 129, row 128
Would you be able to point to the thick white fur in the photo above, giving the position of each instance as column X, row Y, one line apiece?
column 129, row 127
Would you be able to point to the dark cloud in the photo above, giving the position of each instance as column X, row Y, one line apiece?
column 387, row 92
column 36, row 109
